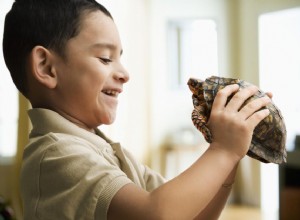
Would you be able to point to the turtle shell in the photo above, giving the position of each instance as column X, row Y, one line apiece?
column 269, row 136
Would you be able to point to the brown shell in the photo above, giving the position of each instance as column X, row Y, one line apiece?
column 269, row 136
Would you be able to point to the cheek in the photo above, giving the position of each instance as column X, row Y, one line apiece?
column 94, row 79
column 97, row 73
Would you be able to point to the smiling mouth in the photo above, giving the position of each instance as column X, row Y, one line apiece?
column 112, row 93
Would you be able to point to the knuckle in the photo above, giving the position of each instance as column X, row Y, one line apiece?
column 228, row 90
column 262, row 114
column 237, row 96
column 252, row 88
column 252, row 105
column 242, row 127
column 248, row 91
column 221, row 93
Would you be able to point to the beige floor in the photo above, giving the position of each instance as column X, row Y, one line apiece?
column 244, row 213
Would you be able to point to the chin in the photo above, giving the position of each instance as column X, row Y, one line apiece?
column 109, row 120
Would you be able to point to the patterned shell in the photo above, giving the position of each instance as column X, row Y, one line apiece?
column 269, row 136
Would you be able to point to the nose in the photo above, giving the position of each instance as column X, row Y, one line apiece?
column 121, row 74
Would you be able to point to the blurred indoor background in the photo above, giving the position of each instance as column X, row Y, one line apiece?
column 165, row 42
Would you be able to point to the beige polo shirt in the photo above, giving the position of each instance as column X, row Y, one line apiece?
column 70, row 173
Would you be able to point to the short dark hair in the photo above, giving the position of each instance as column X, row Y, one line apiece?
column 47, row 23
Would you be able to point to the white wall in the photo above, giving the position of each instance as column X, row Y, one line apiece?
column 171, row 109
column 131, row 126
column 8, row 113
column 149, row 110
column 248, row 26
column 9, row 103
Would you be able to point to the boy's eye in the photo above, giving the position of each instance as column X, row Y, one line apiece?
column 105, row 60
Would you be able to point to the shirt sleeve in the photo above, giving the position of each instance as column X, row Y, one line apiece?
column 153, row 179
column 75, row 181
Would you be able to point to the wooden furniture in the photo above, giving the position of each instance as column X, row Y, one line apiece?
column 289, row 186
column 183, row 155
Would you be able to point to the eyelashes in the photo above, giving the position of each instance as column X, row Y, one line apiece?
column 105, row 60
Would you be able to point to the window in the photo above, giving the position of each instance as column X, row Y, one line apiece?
column 279, row 64
column 8, row 99
column 279, row 53
column 192, row 50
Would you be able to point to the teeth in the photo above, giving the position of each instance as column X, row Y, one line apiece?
column 111, row 92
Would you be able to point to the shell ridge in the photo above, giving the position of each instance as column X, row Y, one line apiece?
column 266, row 155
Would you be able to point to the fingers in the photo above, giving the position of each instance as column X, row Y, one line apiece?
column 251, row 110
column 254, row 106
column 269, row 94
column 232, row 123
column 257, row 117
column 240, row 97
column 222, row 96
column 254, row 112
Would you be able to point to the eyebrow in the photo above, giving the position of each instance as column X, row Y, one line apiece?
column 106, row 45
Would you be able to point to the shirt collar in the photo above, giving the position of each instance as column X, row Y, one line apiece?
column 45, row 121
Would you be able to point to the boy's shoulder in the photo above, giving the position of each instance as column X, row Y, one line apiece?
column 61, row 142
column 47, row 122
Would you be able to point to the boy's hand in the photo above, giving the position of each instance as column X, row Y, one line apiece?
column 231, row 125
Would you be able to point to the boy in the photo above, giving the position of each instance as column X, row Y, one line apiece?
column 64, row 56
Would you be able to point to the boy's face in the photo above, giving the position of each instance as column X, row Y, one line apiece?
column 92, row 76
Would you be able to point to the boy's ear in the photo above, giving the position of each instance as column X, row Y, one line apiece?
column 42, row 68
